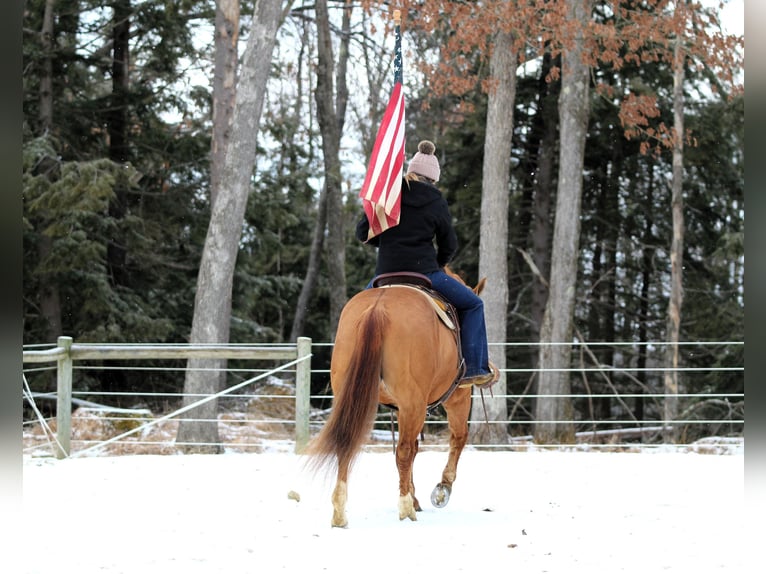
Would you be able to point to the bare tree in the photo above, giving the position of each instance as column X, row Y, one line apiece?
column 331, row 99
column 677, row 243
column 554, row 412
column 493, row 260
column 212, row 304
column 541, row 232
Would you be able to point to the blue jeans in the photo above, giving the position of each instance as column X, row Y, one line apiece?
column 473, row 330
column 470, row 310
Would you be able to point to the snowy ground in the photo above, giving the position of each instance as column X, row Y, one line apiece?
column 522, row 512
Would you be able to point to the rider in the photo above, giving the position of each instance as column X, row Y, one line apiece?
column 409, row 246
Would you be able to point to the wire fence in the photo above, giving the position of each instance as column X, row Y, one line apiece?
column 262, row 407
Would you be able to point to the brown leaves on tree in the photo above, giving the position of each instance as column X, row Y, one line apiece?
column 636, row 113
column 620, row 33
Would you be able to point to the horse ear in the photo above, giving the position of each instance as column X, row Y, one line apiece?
column 449, row 271
column 480, row 286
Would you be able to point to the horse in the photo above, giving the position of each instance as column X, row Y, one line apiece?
column 392, row 348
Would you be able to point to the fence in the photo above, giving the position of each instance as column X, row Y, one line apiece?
column 606, row 431
column 67, row 352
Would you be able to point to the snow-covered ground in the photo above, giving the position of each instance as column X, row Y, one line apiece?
column 516, row 512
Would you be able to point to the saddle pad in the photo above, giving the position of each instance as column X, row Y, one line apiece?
column 434, row 303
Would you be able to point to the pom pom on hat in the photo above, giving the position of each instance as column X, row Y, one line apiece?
column 424, row 162
column 426, row 147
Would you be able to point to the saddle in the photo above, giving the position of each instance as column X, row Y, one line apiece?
column 442, row 307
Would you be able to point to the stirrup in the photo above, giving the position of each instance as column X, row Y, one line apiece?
column 484, row 381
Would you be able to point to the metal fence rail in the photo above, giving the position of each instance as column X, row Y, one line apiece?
column 244, row 432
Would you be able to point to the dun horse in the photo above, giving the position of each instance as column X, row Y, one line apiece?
column 391, row 348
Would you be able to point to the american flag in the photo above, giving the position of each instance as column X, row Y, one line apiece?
column 382, row 189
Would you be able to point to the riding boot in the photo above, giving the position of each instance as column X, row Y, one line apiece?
column 483, row 381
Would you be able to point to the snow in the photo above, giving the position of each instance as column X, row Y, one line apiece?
column 521, row 512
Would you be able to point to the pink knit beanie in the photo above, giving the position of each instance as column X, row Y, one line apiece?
column 424, row 162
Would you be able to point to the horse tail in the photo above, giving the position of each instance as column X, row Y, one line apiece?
column 356, row 403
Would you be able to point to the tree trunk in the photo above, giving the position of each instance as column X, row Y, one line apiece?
column 212, row 304
column 677, row 243
column 375, row 70
column 46, row 78
column 330, row 207
column 493, row 245
column 117, row 122
column 331, row 117
column 554, row 413
column 312, row 271
column 224, row 85
column 50, row 302
column 330, row 125
column 317, row 241
column 601, row 309
column 543, row 185
column 647, row 265
column 610, row 256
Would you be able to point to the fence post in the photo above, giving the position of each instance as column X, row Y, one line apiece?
column 302, row 394
column 64, row 399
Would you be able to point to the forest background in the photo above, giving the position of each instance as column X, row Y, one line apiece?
column 127, row 124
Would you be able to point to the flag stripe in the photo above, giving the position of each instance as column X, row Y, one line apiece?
column 381, row 191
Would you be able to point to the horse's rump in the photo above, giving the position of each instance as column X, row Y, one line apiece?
column 419, row 354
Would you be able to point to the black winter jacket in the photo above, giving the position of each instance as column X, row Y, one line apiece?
column 409, row 246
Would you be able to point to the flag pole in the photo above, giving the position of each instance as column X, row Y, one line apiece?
column 398, row 47
column 381, row 190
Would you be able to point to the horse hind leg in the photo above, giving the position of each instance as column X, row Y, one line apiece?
column 339, row 498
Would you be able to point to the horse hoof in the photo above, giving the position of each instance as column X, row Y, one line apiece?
column 440, row 495
column 412, row 516
column 340, row 524
column 406, row 508
column 339, row 520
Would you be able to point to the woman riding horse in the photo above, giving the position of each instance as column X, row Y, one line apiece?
column 409, row 246
column 392, row 349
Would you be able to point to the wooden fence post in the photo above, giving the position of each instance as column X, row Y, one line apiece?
column 302, row 394
column 64, row 399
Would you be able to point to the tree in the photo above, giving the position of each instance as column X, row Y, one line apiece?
column 331, row 114
column 73, row 152
column 493, row 260
column 50, row 303
column 467, row 32
column 117, row 128
column 677, row 243
column 685, row 34
column 331, row 125
column 554, row 411
column 543, row 151
column 212, row 304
